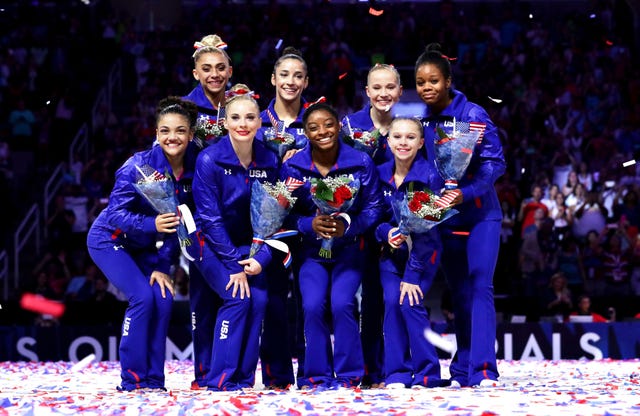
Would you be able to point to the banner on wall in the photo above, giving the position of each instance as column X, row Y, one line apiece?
column 527, row 341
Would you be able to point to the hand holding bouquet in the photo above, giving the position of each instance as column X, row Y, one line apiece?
column 333, row 196
column 419, row 211
column 270, row 204
column 363, row 140
column 454, row 150
column 159, row 191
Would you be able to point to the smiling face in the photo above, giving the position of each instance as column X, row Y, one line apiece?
column 405, row 139
column 173, row 134
column 432, row 87
column 321, row 128
column 290, row 79
column 213, row 71
column 383, row 89
column 242, row 120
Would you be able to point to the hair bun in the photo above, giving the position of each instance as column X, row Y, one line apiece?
column 290, row 50
column 433, row 47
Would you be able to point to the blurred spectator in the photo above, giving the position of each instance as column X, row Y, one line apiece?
column 562, row 218
column 570, row 264
column 593, row 262
column 81, row 287
column 635, row 266
column 507, row 268
column 556, row 299
column 591, row 215
column 54, row 265
column 101, row 294
column 617, row 266
column 576, row 198
column 60, row 223
column 537, row 258
column 77, row 201
column 180, row 283
column 550, row 198
column 529, row 206
column 21, row 121
column 629, row 208
column 585, row 176
column 583, row 308
column 568, row 186
column 562, row 164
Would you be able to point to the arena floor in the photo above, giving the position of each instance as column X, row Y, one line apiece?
column 601, row 387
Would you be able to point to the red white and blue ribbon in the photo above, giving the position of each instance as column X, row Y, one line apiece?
column 275, row 242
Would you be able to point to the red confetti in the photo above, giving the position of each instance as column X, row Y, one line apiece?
column 460, row 232
column 375, row 12
column 341, row 76
column 609, row 43
column 40, row 304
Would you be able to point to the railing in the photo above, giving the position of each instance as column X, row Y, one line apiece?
column 50, row 190
column 4, row 272
column 115, row 81
column 80, row 145
column 30, row 225
column 78, row 150
column 101, row 103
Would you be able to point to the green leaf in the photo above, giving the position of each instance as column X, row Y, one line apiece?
column 441, row 133
column 324, row 192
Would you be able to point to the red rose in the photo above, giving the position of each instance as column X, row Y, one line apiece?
column 421, row 197
column 357, row 134
column 414, row 205
column 283, row 201
column 342, row 194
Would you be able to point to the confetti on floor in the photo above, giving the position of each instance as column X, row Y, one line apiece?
column 601, row 387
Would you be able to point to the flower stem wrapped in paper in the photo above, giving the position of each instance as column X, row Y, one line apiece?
column 454, row 149
column 363, row 140
column 159, row 191
column 333, row 196
column 270, row 204
column 276, row 137
column 419, row 211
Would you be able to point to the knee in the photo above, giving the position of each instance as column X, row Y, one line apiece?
column 313, row 308
column 407, row 310
column 144, row 299
column 238, row 304
column 342, row 306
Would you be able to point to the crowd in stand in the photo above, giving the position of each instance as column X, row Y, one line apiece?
column 565, row 93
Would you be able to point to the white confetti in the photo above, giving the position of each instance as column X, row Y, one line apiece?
column 495, row 100
column 629, row 163
column 83, row 363
column 439, row 341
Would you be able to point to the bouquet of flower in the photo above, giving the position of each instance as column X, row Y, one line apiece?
column 419, row 211
column 276, row 137
column 159, row 191
column 454, row 150
column 270, row 204
column 363, row 140
column 333, row 196
column 210, row 130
